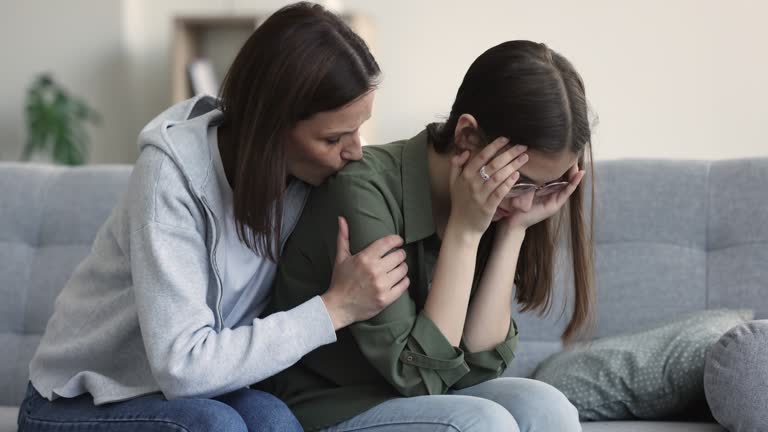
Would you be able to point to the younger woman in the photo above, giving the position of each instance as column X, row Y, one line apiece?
column 478, row 200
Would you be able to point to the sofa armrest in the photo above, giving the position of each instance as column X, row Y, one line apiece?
column 8, row 415
column 736, row 377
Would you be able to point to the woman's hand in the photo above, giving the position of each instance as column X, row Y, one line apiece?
column 473, row 199
column 545, row 207
column 364, row 284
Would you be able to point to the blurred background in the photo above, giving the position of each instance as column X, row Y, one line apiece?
column 684, row 79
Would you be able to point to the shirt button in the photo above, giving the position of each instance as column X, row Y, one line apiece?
column 409, row 358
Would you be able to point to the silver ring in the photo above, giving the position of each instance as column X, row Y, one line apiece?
column 484, row 175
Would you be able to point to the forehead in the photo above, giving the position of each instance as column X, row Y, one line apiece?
column 546, row 167
column 347, row 118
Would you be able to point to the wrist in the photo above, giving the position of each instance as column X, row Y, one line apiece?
column 339, row 317
column 510, row 234
column 461, row 237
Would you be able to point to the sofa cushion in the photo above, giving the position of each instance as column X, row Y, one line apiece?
column 49, row 217
column 738, row 235
column 736, row 378
column 653, row 374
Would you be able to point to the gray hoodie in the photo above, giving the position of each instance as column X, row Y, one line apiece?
column 142, row 313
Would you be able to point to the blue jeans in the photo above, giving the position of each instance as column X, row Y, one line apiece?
column 499, row 405
column 242, row 410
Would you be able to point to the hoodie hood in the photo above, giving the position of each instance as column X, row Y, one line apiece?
column 181, row 132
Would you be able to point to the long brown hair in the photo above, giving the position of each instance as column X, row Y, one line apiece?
column 532, row 95
column 301, row 61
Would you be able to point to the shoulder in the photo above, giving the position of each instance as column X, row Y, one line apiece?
column 378, row 176
column 159, row 192
column 378, row 160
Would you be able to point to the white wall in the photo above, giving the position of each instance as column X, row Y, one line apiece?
column 668, row 78
column 79, row 42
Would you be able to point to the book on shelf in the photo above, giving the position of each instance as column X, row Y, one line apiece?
column 202, row 77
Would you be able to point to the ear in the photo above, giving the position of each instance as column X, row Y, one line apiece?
column 465, row 136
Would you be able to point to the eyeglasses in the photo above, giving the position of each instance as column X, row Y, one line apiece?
column 539, row 191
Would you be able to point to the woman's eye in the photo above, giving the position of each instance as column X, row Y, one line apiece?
column 333, row 140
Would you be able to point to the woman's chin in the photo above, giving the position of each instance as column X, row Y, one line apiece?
column 315, row 180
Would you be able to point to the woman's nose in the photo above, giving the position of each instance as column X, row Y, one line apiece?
column 525, row 202
column 354, row 150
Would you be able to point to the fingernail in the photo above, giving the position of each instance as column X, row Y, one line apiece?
column 523, row 158
column 522, row 147
column 504, row 140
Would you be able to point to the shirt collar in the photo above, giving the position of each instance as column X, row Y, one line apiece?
column 417, row 195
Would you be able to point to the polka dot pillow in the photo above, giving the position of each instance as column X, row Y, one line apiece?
column 650, row 375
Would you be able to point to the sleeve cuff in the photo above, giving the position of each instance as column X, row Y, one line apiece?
column 500, row 356
column 318, row 324
column 490, row 364
column 438, row 354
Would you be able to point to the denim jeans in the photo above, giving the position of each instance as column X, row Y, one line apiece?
column 502, row 404
column 242, row 410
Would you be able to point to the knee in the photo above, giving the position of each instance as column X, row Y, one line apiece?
column 490, row 416
column 548, row 409
column 277, row 417
column 264, row 412
column 199, row 415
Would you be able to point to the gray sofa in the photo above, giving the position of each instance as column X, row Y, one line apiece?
column 672, row 237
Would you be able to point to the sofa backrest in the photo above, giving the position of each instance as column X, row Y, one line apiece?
column 49, row 217
column 671, row 237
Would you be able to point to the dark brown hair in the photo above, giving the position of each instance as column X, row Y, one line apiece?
column 532, row 95
column 301, row 61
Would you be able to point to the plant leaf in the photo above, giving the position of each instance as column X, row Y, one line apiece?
column 56, row 121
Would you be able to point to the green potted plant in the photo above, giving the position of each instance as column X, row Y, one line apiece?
column 56, row 123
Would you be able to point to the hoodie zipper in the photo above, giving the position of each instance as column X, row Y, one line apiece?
column 219, row 319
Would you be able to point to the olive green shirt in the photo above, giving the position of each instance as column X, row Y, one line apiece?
column 400, row 352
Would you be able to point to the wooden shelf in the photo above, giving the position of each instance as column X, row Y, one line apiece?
column 218, row 38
